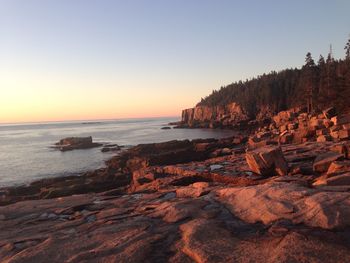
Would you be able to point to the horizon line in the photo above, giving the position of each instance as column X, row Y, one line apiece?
column 85, row 120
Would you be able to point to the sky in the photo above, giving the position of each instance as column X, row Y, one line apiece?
column 104, row 59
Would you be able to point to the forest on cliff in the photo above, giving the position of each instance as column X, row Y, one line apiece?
column 314, row 86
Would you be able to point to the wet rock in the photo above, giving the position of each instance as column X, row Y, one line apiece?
column 214, row 167
column 172, row 152
column 111, row 148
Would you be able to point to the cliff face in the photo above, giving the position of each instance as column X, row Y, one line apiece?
column 205, row 116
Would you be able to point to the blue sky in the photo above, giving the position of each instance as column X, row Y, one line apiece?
column 84, row 59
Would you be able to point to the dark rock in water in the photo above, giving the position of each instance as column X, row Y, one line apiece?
column 174, row 123
column 166, row 128
column 74, row 143
column 181, row 126
column 111, row 148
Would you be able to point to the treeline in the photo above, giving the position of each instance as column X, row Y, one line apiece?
column 315, row 86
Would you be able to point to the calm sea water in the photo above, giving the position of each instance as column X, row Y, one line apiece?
column 25, row 153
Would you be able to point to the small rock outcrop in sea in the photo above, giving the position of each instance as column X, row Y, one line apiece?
column 74, row 143
column 111, row 148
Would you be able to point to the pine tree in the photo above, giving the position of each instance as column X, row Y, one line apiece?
column 330, row 77
column 347, row 50
column 330, row 58
column 309, row 71
column 321, row 61
column 322, row 83
column 309, row 62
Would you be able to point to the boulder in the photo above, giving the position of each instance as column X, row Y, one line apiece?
column 283, row 128
column 335, row 128
column 254, row 142
column 342, row 148
column 329, row 113
column 338, row 167
column 327, row 123
column 303, row 134
column 334, row 120
column 316, row 123
column 292, row 126
column 323, row 138
column 335, row 134
column 344, row 134
column 268, row 160
column 322, row 132
column 343, row 119
column 283, row 116
column 323, row 161
column 286, row 138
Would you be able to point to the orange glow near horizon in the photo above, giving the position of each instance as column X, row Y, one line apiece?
column 43, row 108
column 37, row 98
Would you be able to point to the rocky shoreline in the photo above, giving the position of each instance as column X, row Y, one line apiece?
column 279, row 194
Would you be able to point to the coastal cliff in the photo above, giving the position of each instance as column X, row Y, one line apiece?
column 213, row 117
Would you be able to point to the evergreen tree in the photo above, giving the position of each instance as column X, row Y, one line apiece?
column 321, row 61
column 309, row 62
column 330, row 58
column 347, row 50
column 309, row 80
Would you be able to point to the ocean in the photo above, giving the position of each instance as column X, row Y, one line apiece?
column 26, row 156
